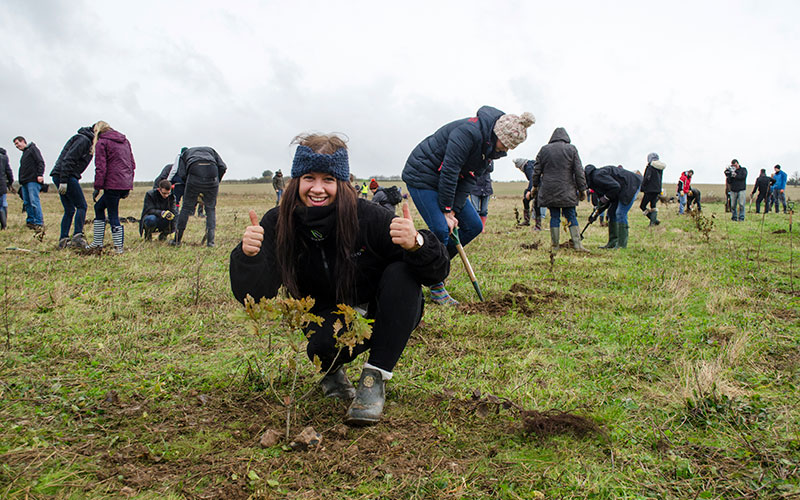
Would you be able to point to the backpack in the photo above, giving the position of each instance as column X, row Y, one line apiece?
column 393, row 195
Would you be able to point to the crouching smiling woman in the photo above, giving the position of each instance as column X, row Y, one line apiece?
column 324, row 242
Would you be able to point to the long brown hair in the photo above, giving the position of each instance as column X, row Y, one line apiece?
column 346, row 225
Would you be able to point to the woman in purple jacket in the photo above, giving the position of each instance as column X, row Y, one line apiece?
column 113, row 174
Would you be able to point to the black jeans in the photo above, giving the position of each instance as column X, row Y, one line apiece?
column 648, row 198
column 190, row 200
column 396, row 309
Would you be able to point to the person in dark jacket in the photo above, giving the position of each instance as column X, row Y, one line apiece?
column 560, row 182
column 693, row 199
column 651, row 187
column 202, row 169
column 324, row 242
column 278, row 184
column 617, row 189
column 737, row 183
column 114, row 167
column 481, row 192
column 158, row 212
column 69, row 167
column 6, row 186
column 31, row 178
column 441, row 171
column 762, row 185
column 379, row 196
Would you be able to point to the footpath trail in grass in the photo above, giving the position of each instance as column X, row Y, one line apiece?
column 138, row 376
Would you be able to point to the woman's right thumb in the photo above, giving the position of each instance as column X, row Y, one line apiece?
column 253, row 217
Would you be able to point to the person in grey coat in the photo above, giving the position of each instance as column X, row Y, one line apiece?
column 651, row 187
column 480, row 194
column 560, row 184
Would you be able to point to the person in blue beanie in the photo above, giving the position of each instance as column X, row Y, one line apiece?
column 323, row 241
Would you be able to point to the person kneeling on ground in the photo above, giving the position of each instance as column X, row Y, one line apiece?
column 324, row 242
column 158, row 212
column 617, row 189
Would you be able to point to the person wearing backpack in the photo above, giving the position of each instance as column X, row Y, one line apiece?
column 387, row 198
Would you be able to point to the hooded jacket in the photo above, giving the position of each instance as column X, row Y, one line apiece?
column 201, row 167
column 558, row 172
column 260, row 275
column 483, row 184
column 615, row 183
column 449, row 160
column 31, row 164
column 154, row 204
column 6, row 174
column 653, row 175
column 75, row 156
column 113, row 162
column 278, row 181
column 684, row 183
column 780, row 180
column 165, row 175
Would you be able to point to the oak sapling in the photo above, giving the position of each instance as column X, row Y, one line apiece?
column 295, row 320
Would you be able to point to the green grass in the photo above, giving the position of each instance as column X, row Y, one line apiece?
column 126, row 378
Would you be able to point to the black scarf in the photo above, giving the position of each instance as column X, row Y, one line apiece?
column 316, row 223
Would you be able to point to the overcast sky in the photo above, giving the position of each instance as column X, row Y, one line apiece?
column 699, row 82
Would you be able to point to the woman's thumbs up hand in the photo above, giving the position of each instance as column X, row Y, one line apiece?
column 253, row 236
column 402, row 230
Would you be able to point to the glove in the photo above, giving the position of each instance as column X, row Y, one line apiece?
column 582, row 195
column 95, row 194
column 62, row 189
column 166, row 214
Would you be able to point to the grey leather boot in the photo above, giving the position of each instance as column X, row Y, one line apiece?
column 336, row 385
column 367, row 407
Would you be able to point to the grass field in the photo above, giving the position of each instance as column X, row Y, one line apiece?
column 133, row 375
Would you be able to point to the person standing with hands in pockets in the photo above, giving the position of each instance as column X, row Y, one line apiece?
column 324, row 242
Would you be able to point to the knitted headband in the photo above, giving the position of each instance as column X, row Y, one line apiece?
column 306, row 160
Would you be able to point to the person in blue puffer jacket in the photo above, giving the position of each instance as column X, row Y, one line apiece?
column 441, row 171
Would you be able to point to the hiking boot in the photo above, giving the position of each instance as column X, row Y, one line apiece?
column 31, row 225
column 613, row 235
column 526, row 217
column 78, row 241
column 576, row 239
column 62, row 243
column 336, row 385
column 367, row 407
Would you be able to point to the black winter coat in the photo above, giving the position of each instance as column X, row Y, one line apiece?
column 155, row 204
column 6, row 174
column 165, row 175
column 483, row 184
column 450, row 160
column 75, row 156
column 652, row 180
column 260, row 276
column 382, row 199
column 763, row 184
column 201, row 167
column 737, row 179
column 615, row 183
column 558, row 172
column 31, row 164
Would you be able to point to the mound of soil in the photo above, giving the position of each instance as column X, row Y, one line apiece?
column 520, row 297
column 554, row 422
column 530, row 246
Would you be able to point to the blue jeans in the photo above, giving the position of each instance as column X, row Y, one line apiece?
column 618, row 212
column 74, row 204
column 469, row 224
column 569, row 214
column 33, row 206
column 3, row 201
column 278, row 193
column 481, row 204
column 681, row 203
column 156, row 223
column 109, row 202
column 778, row 198
column 737, row 204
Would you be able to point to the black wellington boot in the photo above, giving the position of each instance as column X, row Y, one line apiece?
column 367, row 407
column 336, row 385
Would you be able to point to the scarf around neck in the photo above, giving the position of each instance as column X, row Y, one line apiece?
column 316, row 223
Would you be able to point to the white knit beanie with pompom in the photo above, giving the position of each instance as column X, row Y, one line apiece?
column 512, row 130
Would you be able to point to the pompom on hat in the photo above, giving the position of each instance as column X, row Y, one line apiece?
column 512, row 130
column 306, row 160
column 373, row 184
